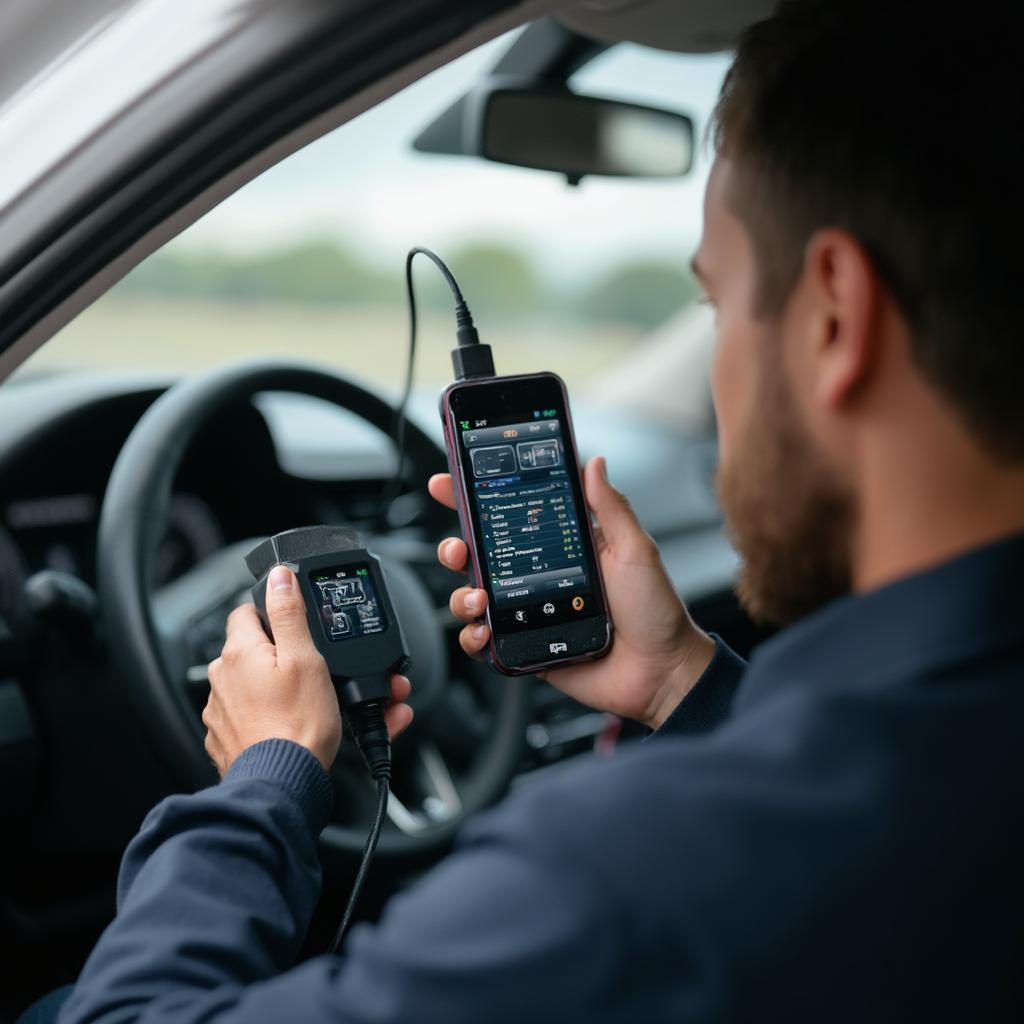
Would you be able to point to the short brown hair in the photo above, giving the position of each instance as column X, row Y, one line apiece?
column 903, row 126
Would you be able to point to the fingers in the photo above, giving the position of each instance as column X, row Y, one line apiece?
column 441, row 489
column 467, row 603
column 453, row 554
column 474, row 638
column 287, row 610
column 619, row 525
column 397, row 717
column 244, row 628
column 400, row 688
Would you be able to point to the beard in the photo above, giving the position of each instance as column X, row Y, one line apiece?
column 789, row 516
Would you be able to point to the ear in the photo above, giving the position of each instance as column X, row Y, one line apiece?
column 843, row 287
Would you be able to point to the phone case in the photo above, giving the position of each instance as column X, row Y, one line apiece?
column 476, row 557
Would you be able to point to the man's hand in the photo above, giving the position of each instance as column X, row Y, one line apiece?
column 658, row 653
column 261, row 691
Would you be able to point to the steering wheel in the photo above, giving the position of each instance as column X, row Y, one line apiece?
column 161, row 639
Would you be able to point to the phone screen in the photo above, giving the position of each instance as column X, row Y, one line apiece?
column 521, row 476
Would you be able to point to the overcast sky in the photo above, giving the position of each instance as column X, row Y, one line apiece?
column 364, row 185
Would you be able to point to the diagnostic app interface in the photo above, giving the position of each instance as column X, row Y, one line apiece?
column 519, row 482
column 347, row 601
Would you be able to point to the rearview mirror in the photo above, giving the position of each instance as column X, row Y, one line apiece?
column 553, row 129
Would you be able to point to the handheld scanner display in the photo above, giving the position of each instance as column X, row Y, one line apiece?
column 347, row 601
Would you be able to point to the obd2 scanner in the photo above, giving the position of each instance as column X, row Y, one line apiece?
column 354, row 626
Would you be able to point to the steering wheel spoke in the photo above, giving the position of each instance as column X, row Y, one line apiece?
column 423, row 794
column 190, row 613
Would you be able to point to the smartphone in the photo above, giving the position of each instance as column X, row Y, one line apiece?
column 520, row 500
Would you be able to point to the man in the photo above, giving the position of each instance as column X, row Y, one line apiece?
column 832, row 833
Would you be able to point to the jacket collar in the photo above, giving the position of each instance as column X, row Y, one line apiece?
column 956, row 611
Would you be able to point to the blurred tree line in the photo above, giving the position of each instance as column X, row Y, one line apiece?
column 495, row 278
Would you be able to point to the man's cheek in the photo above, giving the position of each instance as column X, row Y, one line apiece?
column 724, row 388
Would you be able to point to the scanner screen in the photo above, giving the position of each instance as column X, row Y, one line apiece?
column 347, row 602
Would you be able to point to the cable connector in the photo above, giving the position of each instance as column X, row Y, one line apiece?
column 371, row 736
column 465, row 329
column 471, row 358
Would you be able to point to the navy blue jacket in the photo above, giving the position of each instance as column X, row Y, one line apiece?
column 835, row 836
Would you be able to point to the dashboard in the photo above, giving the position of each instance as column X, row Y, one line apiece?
column 54, row 474
column 58, row 532
column 60, row 441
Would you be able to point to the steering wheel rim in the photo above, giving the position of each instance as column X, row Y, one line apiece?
column 132, row 519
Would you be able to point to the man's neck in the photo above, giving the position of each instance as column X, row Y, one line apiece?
column 929, row 499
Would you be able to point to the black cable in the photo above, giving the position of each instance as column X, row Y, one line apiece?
column 364, row 864
column 370, row 731
column 398, row 422
column 471, row 358
column 418, row 250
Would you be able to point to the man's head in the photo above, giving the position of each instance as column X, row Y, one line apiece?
column 862, row 222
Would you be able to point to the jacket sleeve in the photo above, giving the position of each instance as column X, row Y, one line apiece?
column 217, row 890
column 709, row 703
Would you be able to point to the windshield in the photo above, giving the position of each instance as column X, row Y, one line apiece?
column 307, row 260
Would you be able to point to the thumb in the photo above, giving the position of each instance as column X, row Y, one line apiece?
column 286, row 609
column 615, row 515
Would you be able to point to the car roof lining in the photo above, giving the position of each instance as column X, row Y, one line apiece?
column 686, row 26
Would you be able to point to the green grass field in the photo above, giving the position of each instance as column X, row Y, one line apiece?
column 370, row 343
